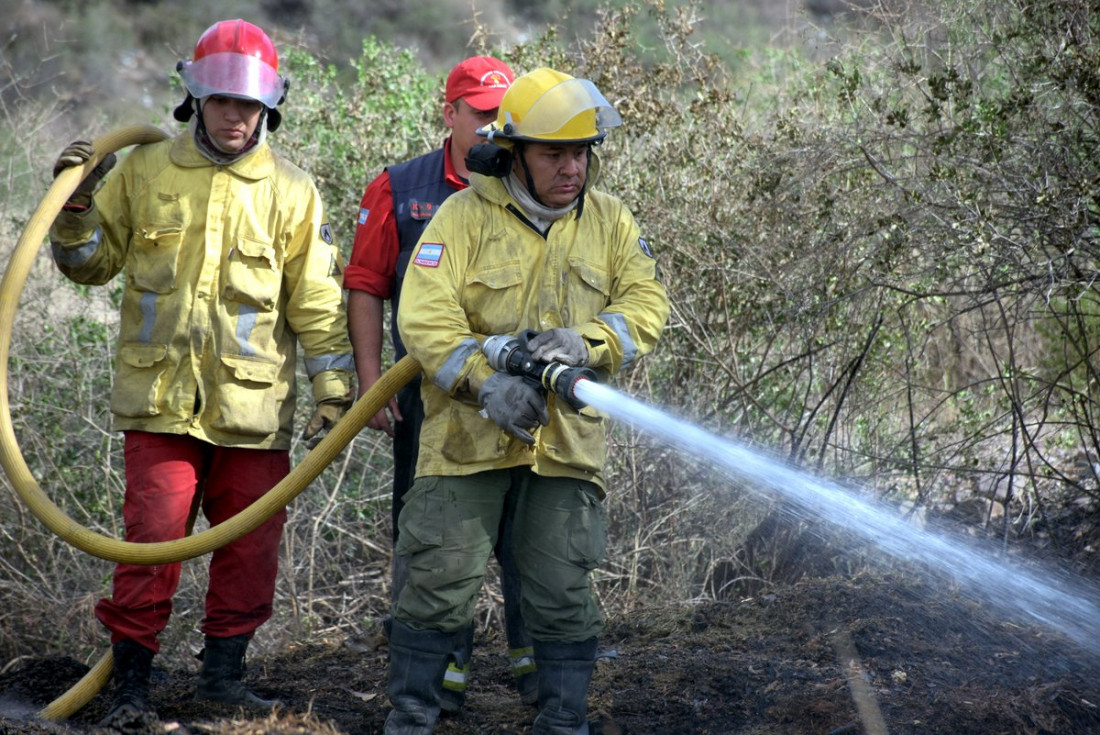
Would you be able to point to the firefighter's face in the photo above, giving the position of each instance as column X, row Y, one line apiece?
column 558, row 170
column 231, row 121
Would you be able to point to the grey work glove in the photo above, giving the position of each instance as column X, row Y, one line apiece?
column 514, row 405
column 76, row 154
column 325, row 416
column 561, row 344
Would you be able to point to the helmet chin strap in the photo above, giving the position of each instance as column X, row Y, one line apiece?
column 521, row 149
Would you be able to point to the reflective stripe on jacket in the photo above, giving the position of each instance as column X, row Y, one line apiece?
column 481, row 270
column 226, row 269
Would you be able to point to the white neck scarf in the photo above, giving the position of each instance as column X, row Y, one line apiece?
column 540, row 215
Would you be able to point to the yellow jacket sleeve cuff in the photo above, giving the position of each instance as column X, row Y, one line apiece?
column 601, row 353
column 331, row 384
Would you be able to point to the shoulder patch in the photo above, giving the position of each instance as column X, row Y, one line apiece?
column 429, row 254
column 645, row 246
column 363, row 214
column 326, row 233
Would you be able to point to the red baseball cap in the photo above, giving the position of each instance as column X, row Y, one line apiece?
column 479, row 80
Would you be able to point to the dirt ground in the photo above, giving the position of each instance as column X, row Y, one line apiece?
column 873, row 654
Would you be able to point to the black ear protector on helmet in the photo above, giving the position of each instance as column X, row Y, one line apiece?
column 489, row 159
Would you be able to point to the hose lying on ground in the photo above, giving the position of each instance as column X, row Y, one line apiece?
column 105, row 547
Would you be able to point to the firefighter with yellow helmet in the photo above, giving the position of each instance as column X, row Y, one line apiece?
column 228, row 265
column 529, row 248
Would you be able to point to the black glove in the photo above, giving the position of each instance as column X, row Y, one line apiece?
column 561, row 344
column 76, row 154
column 514, row 405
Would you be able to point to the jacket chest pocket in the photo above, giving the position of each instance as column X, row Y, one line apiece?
column 253, row 274
column 152, row 261
column 492, row 298
column 587, row 291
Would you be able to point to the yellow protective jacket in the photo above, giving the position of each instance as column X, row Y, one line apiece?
column 481, row 269
column 226, row 269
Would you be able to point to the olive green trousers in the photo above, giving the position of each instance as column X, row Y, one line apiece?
column 449, row 526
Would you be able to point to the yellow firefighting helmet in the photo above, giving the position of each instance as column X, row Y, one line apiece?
column 548, row 106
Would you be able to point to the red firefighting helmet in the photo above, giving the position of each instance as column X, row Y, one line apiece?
column 235, row 58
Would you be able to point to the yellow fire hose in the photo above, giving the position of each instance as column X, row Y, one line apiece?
column 106, row 547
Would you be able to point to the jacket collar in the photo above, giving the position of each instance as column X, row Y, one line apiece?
column 257, row 165
column 490, row 188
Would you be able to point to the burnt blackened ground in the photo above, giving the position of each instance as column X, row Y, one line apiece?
column 820, row 657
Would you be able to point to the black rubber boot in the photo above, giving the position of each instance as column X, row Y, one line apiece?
column 222, row 671
column 453, row 693
column 565, row 669
column 132, row 668
column 418, row 663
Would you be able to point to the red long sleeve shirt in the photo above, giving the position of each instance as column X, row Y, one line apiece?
column 373, row 264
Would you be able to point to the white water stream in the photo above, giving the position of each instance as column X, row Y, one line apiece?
column 1060, row 602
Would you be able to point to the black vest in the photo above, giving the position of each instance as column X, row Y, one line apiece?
column 419, row 186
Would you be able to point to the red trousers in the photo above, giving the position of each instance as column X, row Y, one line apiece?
column 165, row 474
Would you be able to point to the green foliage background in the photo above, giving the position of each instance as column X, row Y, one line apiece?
column 880, row 242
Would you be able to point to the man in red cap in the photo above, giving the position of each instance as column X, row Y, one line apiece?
column 394, row 211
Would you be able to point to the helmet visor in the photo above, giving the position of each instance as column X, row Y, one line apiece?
column 549, row 118
column 233, row 75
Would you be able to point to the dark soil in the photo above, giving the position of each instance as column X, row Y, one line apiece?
column 836, row 656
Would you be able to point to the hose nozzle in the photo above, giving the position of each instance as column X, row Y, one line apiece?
column 509, row 354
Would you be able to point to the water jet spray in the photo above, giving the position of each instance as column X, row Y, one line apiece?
column 1060, row 601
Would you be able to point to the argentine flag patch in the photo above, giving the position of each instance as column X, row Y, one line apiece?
column 429, row 255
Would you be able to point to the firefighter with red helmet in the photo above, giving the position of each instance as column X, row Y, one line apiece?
column 229, row 264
